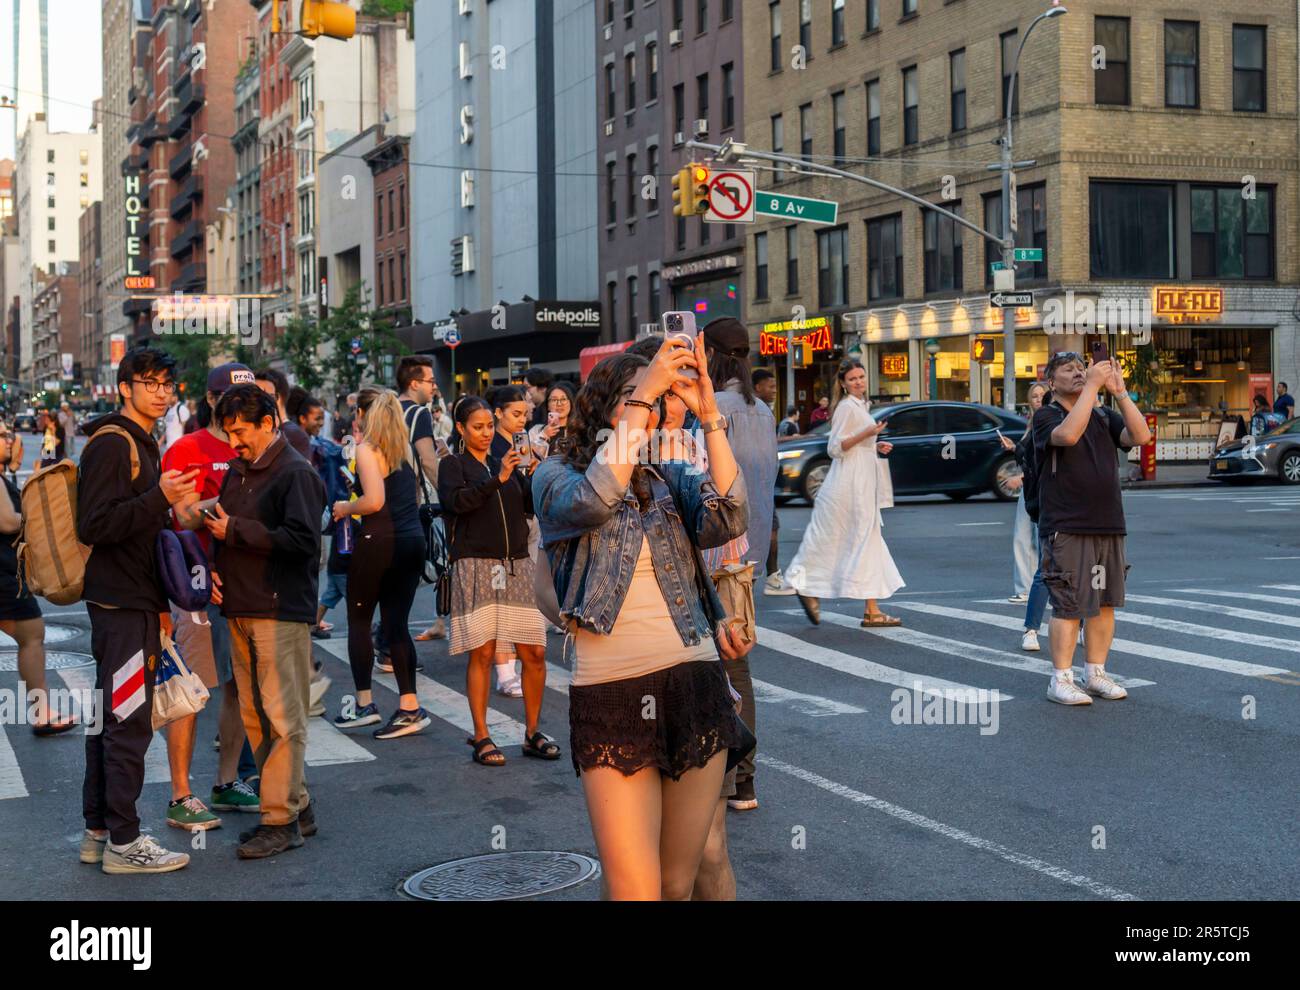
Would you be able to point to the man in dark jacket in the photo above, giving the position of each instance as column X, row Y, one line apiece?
column 122, row 504
column 267, row 525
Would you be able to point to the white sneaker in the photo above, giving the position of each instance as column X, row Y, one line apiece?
column 1019, row 599
column 144, row 855
column 1101, row 686
column 1063, row 691
column 316, row 692
column 1029, row 641
column 775, row 585
column 512, row 688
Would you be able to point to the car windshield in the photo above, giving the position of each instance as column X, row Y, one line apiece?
column 1290, row 426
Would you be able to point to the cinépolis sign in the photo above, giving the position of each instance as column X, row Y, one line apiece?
column 137, row 265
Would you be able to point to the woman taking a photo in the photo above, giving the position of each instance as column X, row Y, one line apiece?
column 843, row 552
column 651, row 716
column 552, row 437
column 387, row 560
column 492, row 593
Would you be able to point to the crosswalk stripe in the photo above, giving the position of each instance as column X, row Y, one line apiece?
column 1249, row 596
column 1209, row 632
column 12, row 784
column 1282, row 587
column 968, row 651
column 1253, row 615
column 157, row 770
column 328, row 746
column 1146, row 650
column 867, row 670
column 560, row 679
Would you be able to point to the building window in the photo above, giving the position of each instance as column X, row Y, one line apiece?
column 632, row 321
column 873, row 118
column 401, row 268
column 85, row 201
column 1031, row 209
column 679, row 110
column 702, row 96
column 631, row 188
column 911, row 107
column 701, row 16
column 1232, row 237
column 805, row 26
column 838, row 130
column 805, row 132
column 679, row 234
column 85, row 180
column 49, row 201
column 957, row 73
column 392, row 297
column 760, row 266
column 837, row 22
column 1010, row 45
column 832, row 268
column 83, row 156
column 652, row 72
column 728, row 10
column 706, row 234
column 609, row 11
column 391, row 211
column 1111, row 33
column 909, row 7
column 611, row 307
column 611, row 204
column 652, row 169
column 379, row 212
column 49, row 221
column 1182, row 64
column 943, row 271
column 629, row 81
column 678, row 15
column 728, row 96
column 1248, row 68
column 401, row 206
column 778, row 139
column 49, row 155
column 885, row 258
column 792, row 260
column 51, row 249
column 654, row 296
column 1132, row 226
column 873, row 15
column 774, row 33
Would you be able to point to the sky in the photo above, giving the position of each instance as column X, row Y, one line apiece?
column 75, row 69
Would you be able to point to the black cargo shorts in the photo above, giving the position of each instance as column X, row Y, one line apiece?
column 1083, row 572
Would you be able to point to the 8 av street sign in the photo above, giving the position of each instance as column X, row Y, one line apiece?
column 1029, row 254
column 1011, row 300
column 796, row 208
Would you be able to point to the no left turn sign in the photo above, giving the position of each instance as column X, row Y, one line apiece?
column 731, row 198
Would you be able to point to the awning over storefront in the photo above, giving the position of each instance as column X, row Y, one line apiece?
column 589, row 357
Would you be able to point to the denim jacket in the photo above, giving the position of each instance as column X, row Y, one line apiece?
column 592, row 529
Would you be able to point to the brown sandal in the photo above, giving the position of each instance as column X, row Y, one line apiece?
column 484, row 751
column 870, row 621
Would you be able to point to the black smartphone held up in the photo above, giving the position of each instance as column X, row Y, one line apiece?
column 207, row 512
column 680, row 325
column 1100, row 352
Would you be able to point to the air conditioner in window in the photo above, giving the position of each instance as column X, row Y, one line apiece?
column 609, row 32
column 702, row 126
column 609, row 128
column 679, row 137
column 675, row 37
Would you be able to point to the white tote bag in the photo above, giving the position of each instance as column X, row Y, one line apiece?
column 177, row 690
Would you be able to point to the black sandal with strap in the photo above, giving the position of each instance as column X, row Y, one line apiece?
column 484, row 750
column 546, row 749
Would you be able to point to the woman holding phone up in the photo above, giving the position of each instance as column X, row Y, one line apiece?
column 552, row 437
column 651, row 716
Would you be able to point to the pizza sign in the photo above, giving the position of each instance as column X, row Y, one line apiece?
column 776, row 344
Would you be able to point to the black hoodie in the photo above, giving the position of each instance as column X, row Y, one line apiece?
column 119, row 519
column 270, row 558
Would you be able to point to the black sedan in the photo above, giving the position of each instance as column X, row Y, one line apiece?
column 940, row 448
column 1275, row 454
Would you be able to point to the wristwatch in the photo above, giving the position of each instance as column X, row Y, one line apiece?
column 718, row 424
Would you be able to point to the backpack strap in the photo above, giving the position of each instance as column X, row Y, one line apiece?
column 426, row 493
column 130, row 443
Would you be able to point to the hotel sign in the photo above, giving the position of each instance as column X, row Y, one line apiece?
column 1180, row 304
column 815, row 332
column 137, row 267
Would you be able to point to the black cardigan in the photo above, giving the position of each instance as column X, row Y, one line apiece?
column 485, row 518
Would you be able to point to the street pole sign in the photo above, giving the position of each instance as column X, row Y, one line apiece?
column 1028, row 254
column 797, row 208
column 731, row 197
column 1011, row 300
column 452, row 339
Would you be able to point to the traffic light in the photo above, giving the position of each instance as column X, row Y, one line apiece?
column 681, row 185
column 803, row 354
column 329, row 18
column 691, row 190
column 699, row 188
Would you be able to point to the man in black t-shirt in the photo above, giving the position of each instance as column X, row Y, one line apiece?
column 416, row 388
column 1081, row 516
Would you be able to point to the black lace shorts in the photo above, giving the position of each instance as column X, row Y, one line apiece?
column 675, row 719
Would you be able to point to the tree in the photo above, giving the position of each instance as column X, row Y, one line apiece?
column 193, row 354
column 386, row 8
column 351, row 320
column 298, row 346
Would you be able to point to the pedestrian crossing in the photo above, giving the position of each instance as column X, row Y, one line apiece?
column 950, row 643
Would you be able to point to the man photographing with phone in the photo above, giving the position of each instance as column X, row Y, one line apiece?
column 1081, row 515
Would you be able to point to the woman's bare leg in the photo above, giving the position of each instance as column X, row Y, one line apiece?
column 715, row 881
column 30, row 636
column 624, row 812
column 478, row 684
column 533, row 661
column 688, row 808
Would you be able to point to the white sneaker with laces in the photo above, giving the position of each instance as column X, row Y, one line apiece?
column 1101, row 686
column 513, row 688
column 775, row 585
column 144, row 855
column 1029, row 641
column 1018, row 598
column 1064, row 691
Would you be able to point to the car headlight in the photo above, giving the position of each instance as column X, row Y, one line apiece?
column 788, row 455
column 1266, row 446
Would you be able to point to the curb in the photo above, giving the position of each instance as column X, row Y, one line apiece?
column 1150, row 486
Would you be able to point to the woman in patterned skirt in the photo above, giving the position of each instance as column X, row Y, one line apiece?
column 488, row 500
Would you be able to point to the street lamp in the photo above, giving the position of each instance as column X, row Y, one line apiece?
column 1008, row 237
column 932, row 348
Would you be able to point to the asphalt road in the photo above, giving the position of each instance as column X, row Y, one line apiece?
column 1172, row 793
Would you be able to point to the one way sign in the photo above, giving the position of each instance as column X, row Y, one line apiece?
column 1011, row 300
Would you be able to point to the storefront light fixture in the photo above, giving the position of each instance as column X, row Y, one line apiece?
column 932, row 347
column 1241, row 365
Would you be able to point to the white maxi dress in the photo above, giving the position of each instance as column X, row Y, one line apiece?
column 843, row 552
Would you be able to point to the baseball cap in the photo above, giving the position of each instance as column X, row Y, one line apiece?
column 728, row 335
column 223, row 376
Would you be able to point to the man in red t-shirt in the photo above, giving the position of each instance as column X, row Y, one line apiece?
column 204, row 639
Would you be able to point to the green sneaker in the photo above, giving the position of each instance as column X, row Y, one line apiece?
column 190, row 814
column 234, row 797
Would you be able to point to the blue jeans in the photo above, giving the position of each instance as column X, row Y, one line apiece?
column 1037, row 599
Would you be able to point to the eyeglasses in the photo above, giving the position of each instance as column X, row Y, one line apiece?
column 153, row 387
column 562, row 401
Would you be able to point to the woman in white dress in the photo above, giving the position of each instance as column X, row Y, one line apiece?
column 843, row 552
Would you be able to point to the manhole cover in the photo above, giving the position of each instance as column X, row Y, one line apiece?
column 54, row 633
column 53, row 661
column 501, row 877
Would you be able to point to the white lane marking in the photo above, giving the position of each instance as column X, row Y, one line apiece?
column 1282, row 587
column 1118, row 645
column 1249, row 596
column 329, row 746
column 1094, row 887
column 442, row 702
column 1213, row 632
column 1281, row 558
column 868, row 670
column 982, row 524
column 560, row 679
column 967, row 651
column 12, row 784
column 1268, row 510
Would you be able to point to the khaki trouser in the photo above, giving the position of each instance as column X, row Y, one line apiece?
column 272, row 662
